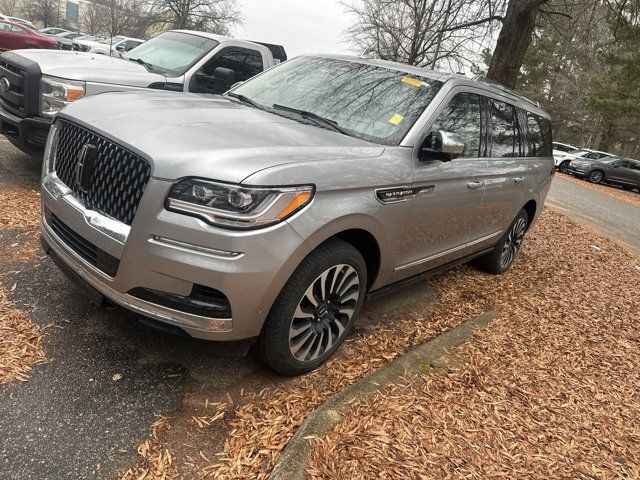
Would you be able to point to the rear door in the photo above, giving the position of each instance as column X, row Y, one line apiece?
column 506, row 175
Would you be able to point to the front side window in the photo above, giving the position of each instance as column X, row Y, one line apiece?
column 504, row 130
column 246, row 63
column 366, row 101
column 461, row 117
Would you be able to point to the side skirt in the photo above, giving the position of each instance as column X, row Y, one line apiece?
column 427, row 273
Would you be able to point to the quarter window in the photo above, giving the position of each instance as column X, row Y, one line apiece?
column 504, row 130
column 539, row 136
column 462, row 117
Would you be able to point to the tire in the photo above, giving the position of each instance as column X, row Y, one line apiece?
column 501, row 258
column 563, row 166
column 299, row 336
column 596, row 176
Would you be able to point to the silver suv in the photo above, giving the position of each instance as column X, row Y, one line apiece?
column 267, row 215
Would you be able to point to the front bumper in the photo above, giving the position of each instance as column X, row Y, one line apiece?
column 169, row 252
column 29, row 134
column 578, row 170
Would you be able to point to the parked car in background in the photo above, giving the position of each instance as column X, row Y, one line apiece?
column 89, row 42
column 42, row 83
column 563, row 160
column 115, row 49
column 624, row 172
column 267, row 214
column 84, row 47
column 15, row 37
column 53, row 30
column 20, row 21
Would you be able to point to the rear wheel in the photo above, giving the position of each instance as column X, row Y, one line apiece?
column 315, row 310
column 596, row 176
column 500, row 259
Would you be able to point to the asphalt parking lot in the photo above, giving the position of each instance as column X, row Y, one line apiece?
column 82, row 414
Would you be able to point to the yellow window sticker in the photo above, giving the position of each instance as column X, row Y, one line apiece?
column 396, row 119
column 413, row 81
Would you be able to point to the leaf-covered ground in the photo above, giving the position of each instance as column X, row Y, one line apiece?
column 550, row 390
column 568, row 289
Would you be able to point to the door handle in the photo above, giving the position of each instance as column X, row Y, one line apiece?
column 518, row 179
column 475, row 185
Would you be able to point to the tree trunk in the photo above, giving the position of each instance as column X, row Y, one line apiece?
column 606, row 141
column 513, row 41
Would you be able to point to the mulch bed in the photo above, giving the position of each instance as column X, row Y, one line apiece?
column 616, row 192
column 564, row 272
column 550, row 390
column 20, row 342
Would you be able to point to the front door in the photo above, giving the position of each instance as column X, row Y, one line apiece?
column 448, row 201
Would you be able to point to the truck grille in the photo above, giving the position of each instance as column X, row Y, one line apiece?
column 13, row 98
column 117, row 179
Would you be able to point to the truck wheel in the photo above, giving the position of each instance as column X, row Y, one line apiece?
column 596, row 176
column 315, row 310
column 563, row 166
column 500, row 259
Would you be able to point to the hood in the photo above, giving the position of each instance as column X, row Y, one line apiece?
column 209, row 135
column 91, row 67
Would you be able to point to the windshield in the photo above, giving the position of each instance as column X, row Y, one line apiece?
column 172, row 53
column 366, row 101
column 112, row 40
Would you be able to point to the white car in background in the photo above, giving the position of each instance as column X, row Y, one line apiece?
column 563, row 159
column 123, row 45
column 53, row 30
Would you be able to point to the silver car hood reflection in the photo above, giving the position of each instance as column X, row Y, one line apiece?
column 209, row 136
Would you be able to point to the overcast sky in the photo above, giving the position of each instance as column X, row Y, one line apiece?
column 301, row 26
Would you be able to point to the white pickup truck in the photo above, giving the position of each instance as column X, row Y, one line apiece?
column 36, row 84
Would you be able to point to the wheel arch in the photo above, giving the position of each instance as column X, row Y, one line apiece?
column 531, row 207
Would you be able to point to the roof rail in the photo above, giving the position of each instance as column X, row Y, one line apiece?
column 502, row 88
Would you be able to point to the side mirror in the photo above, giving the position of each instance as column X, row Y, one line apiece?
column 120, row 48
column 443, row 145
column 616, row 165
column 225, row 74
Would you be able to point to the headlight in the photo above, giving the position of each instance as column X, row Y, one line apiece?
column 55, row 93
column 234, row 206
column 50, row 149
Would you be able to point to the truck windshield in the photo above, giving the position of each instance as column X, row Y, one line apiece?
column 172, row 53
column 366, row 101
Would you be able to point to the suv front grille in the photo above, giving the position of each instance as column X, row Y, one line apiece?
column 14, row 97
column 117, row 179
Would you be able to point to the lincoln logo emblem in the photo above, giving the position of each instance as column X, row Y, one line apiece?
column 84, row 166
column 4, row 84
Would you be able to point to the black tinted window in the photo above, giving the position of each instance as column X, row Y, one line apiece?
column 244, row 62
column 504, row 130
column 539, row 136
column 462, row 117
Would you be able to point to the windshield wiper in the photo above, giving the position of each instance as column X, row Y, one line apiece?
column 313, row 117
column 146, row 65
column 246, row 100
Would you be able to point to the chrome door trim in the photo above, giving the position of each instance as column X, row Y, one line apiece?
column 447, row 252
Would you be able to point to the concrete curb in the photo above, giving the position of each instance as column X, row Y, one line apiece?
column 293, row 461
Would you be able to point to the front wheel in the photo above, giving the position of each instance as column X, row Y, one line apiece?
column 563, row 166
column 315, row 310
column 596, row 176
column 500, row 259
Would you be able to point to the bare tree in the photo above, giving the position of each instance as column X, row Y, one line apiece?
column 94, row 19
column 419, row 32
column 215, row 16
column 45, row 11
column 9, row 7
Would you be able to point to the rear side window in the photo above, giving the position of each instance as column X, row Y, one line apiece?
column 538, row 136
column 462, row 117
column 505, row 141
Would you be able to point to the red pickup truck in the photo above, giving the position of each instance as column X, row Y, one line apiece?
column 14, row 36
